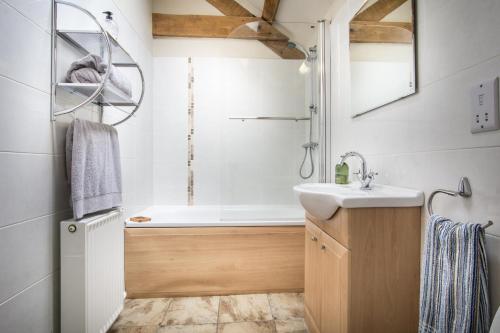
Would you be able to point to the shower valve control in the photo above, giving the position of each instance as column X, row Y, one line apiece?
column 485, row 113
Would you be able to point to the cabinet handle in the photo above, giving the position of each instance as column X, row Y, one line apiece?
column 314, row 238
column 323, row 247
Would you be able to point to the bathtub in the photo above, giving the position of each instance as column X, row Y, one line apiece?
column 215, row 250
column 220, row 216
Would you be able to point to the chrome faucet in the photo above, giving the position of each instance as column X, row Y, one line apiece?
column 364, row 178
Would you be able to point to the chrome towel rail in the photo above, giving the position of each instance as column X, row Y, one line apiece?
column 270, row 118
column 464, row 191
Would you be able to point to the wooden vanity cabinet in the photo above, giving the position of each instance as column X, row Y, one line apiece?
column 362, row 271
column 312, row 281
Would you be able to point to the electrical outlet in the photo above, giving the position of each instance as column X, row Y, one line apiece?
column 485, row 113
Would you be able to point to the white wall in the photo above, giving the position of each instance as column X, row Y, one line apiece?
column 235, row 162
column 33, row 191
column 424, row 141
column 170, row 130
column 210, row 47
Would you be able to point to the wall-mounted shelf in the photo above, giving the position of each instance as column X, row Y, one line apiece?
column 109, row 95
column 97, row 42
column 88, row 41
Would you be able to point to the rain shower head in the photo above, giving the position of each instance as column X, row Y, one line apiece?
column 293, row 45
column 310, row 56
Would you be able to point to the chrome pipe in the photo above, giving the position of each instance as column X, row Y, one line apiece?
column 53, row 63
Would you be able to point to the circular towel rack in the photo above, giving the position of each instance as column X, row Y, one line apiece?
column 72, row 37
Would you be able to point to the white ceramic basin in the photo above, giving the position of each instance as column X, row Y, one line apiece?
column 322, row 200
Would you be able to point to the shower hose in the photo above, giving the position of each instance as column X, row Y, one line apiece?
column 308, row 150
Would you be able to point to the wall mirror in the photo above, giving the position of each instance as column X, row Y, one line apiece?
column 382, row 53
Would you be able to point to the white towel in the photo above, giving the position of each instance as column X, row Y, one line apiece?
column 91, row 69
column 93, row 167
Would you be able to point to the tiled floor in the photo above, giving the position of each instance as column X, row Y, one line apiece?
column 259, row 313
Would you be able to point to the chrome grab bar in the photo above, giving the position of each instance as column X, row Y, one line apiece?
column 270, row 118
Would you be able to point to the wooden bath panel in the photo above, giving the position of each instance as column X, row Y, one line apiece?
column 163, row 262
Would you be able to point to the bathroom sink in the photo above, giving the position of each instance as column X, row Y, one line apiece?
column 322, row 200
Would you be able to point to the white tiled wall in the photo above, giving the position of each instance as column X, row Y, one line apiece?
column 170, row 130
column 424, row 141
column 251, row 162
column 33, row 190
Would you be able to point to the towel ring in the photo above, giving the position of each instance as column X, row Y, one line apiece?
column 464, row 190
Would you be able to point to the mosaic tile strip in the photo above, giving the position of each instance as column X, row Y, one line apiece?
column 190, row 137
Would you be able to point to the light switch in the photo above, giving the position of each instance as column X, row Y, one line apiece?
column 485, row 113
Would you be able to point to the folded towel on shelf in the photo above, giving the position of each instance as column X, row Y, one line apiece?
column 91, row 69
column 454, row 279
column 93, row 167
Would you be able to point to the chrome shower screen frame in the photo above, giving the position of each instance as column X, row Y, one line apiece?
column 324, row 104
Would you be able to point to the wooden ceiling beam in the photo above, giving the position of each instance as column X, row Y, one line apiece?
column 281, row 49
column 381, row 32
column 232, row 8
column 270, row 10
column 207, row 26
column 379, row 10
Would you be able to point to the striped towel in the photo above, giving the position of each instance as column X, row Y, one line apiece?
column 454, row 279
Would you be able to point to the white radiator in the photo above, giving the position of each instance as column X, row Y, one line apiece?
column 92, row 273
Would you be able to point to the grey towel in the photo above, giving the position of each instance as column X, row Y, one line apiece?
column 93, row 167
column 91, row 69
column 454, row 279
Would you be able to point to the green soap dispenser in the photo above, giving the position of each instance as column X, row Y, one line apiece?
column 341, row 173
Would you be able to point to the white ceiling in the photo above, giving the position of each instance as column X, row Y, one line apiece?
column 184, row 7
column 292, row 10
column 305, row 11
column 401, row 14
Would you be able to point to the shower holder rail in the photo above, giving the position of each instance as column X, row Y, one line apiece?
column 464, row 191
column 88, row 42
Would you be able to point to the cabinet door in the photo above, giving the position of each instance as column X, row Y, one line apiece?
column 312, row 294
column 334, row 285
